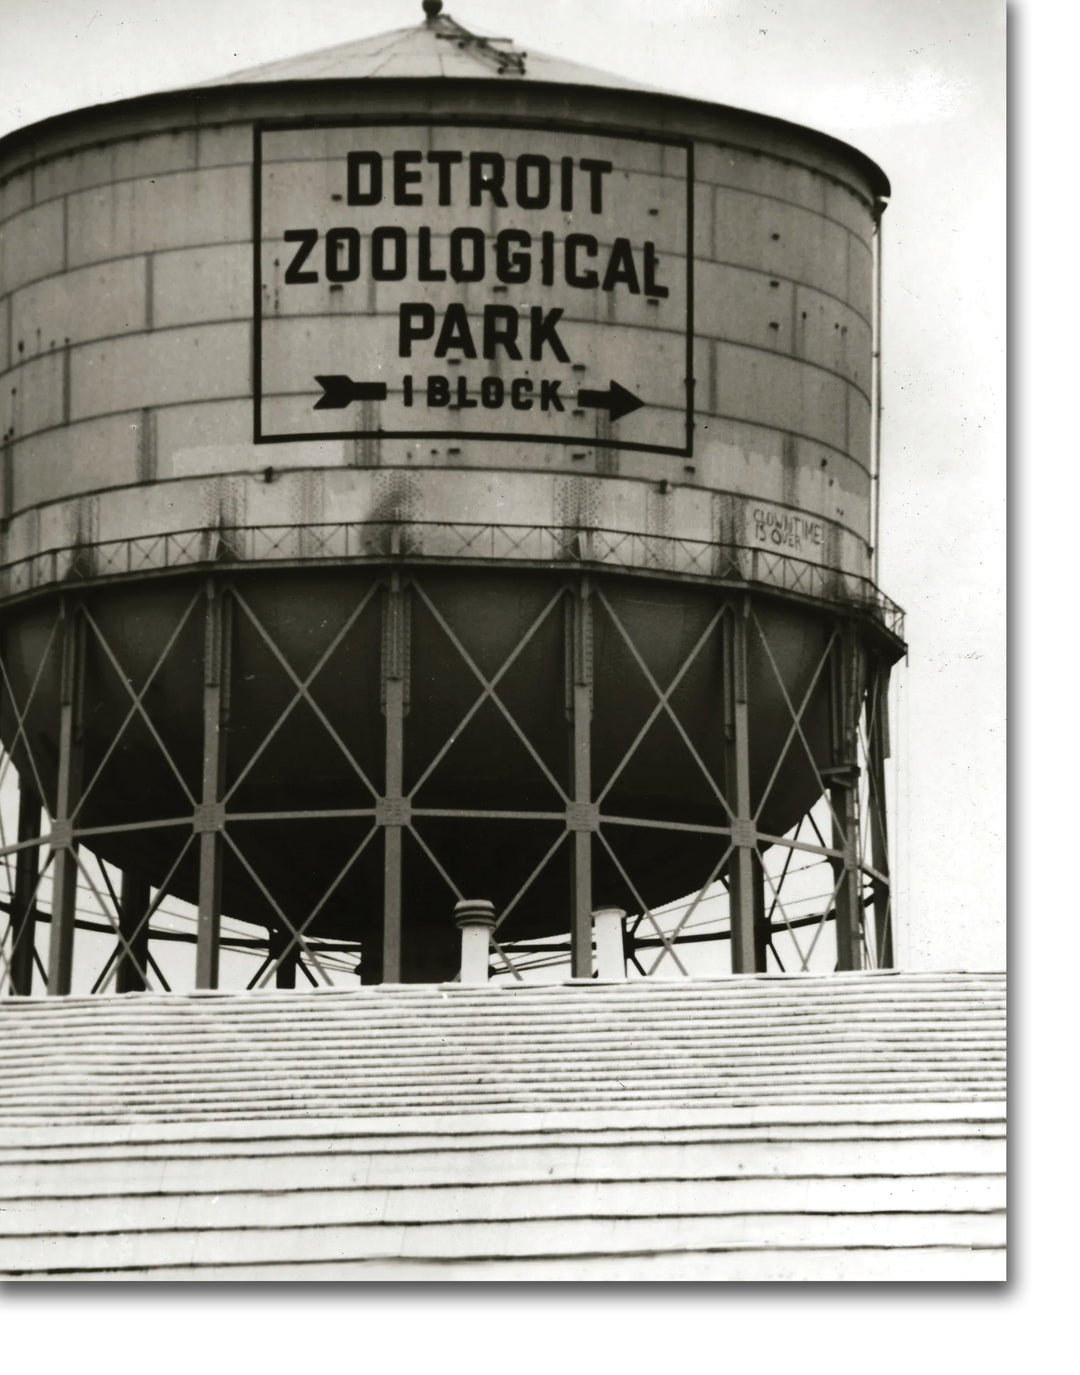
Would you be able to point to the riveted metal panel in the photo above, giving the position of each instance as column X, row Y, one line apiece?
column 82, row 457
column 197, row 285
column 16, row 193
column 782, row 239
column 159, row 368
column 32, row 245
column 88, row 303
column 173, row 210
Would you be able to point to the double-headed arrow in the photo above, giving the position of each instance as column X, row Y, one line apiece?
column 340, row 391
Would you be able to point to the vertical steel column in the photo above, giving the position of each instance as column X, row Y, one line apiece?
column 68, row 786
column 581, row 817
column 843, row 798
column 24, row 896
column 131, row 962
column 393, row 808
column 745, row 872
column 878, row 752
column 210, row 815
column 761, row 921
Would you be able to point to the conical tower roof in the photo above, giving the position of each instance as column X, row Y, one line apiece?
column 437, row 47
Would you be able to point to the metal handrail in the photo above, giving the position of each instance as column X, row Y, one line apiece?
column 350, row 541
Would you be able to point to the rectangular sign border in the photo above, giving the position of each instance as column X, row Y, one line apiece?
column 261, row 126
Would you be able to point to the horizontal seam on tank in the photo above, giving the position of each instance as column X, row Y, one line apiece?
column 600, row 133
column 238, row 321
column 254, row 473
column 795, row 205
column 794, row 281
column 510, row 473
column 791, row 357
column 136, row 254
column 787, row 161
column 420, row 118
column 561, row 125
column 159, row 330
column 249, row 243
column 119, row 181
column 420, row 437
column 779, row 429
column 249, row 167
column 34, row 160
column 248, row 399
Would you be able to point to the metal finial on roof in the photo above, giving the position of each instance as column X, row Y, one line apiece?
column 432, row 9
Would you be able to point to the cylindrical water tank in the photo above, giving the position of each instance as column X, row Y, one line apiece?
column 441, row 322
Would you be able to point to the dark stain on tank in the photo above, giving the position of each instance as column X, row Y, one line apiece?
column 790, row 460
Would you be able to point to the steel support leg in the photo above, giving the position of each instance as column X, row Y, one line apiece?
column 878, row 752
column 745, row 876
column 393, row 818
column 68, row 788
column 131, row 962
column 761, row 921
column 23, row 915
column 843, row 798
column 285, row 953
column 581, row 821
column 210, row 819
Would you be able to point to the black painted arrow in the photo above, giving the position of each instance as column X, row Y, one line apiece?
column 340, row 391
column 617, row 400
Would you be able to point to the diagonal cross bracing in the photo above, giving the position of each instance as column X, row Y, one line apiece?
column 302, row 687
column 144, row 921
column 489, row 692
column 796, row 716
column 20, row 716
column 136, row 707
column 298, row 942
column 645, row 908
column 692, row 908
column 663, row 703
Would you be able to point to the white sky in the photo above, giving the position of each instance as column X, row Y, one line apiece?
column 916, row 84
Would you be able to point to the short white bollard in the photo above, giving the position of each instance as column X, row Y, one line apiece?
column 475, row 920
column 608, row 937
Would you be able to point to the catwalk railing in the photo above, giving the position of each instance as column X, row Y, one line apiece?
column 439, row 541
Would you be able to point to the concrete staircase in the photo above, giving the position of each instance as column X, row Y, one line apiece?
column 849, row 1126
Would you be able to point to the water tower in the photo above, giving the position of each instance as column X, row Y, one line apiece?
column 436, row 472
